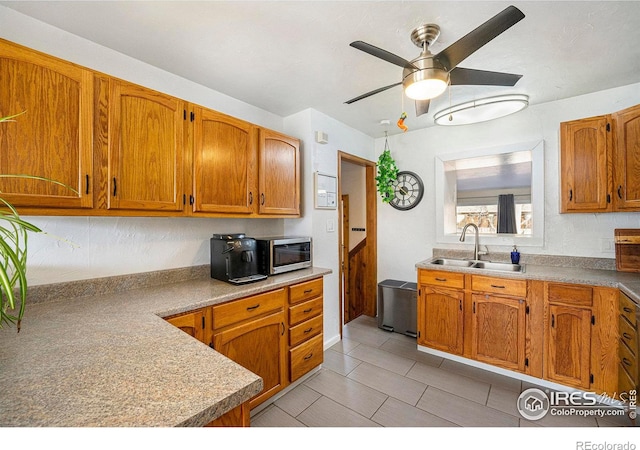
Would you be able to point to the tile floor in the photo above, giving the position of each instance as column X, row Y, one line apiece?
column 373, row 378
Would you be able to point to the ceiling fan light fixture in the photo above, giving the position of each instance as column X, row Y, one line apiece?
column 482, row 110
column 426, row 84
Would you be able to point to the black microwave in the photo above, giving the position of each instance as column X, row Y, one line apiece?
column 283, row 254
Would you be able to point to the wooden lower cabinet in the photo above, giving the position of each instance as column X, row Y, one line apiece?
column 193, row 323
column 239, row 416
column 441, row 318
column 498, row 331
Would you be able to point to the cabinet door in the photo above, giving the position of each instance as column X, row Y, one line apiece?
column 498, row 331
column 568, row 345
column 258, row 345
column 53, row 138
column 279, row 174
column 192, row 323
column 585, row 174
column 145, row 149
column 225, row 164
column 440, row 319
column 627, row 160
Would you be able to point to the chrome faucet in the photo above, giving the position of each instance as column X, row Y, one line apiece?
column 475, row 247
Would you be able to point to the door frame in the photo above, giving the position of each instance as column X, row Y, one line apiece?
column 371, row 255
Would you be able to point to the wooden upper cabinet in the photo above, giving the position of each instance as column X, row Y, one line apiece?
column 279, row 174
column 627, row 160
column 53, row 138
column 224, row 164
column 585, row 173
column 146, row 149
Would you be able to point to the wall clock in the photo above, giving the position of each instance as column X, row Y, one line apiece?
column 407, row 190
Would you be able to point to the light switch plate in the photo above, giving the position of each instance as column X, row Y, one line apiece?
column 331, row 226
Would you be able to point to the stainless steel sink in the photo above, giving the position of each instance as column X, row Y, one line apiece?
column 452, row 262
column 487, row 265
column 503, row 267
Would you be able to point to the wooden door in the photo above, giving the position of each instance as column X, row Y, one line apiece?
column 192, row 323
column 279, row 176
column 145, row 149
column 53, row 136
column 440, row 319
column 498, row 331
column 568, row 340
column 627, row 160
column 345, row 258
column 585, row 174
column 258, row 345
column 225, row 164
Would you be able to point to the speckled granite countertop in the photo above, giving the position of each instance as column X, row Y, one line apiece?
column 111, row 360
column 628, row 283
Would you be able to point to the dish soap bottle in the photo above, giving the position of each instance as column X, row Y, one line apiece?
column 515, row 255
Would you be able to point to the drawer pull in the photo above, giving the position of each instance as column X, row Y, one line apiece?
column 251, row 308
column 308, row 291
column 307, row 311
column 441, row 279
column 308, row 330
column 626, row 362
column 627, row 309
column 497, row 286
column 308, row 357
column 627, row 336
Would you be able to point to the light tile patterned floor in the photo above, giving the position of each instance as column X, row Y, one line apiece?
column 374, row 378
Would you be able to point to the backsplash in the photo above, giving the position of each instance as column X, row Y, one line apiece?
column 578, row 262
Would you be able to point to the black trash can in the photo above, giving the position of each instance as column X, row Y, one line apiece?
column 397, row 307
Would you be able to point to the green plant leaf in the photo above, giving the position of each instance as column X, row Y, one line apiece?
column 387, row 174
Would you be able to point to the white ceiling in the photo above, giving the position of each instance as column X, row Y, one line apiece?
column 285, row 57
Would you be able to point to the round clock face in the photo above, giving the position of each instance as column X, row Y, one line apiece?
column 408, row 190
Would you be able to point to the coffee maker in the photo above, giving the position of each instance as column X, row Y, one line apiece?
column 234, row 259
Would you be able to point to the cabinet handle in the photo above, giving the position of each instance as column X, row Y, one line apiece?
column 115, row 189
column 460, row 305
column 441, row 279
column 262, row 198
column 308, row 330
column 497, row 286
column 251, row 308
column 474, row 307
column 283, row 328
column 626, row 362
column 191, row 199
column 620, row 192
column 627, row 336
column 306, row 358
column 308, row 291
column 627, row 309
column 251, row 198
column 553, row 321
column 570, row 194
column 87, row 180
column 306, row 311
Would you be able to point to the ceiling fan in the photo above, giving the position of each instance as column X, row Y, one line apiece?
column 428, row 75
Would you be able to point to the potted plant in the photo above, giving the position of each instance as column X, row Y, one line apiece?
column 13, row 254
column 387, row 174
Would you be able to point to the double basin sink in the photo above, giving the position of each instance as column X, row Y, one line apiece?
column 487, row 265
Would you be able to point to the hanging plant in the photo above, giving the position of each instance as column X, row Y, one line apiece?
column 387, row 173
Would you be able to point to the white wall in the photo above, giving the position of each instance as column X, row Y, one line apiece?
column 317, row 222
column 410, row 236
column 104, row 246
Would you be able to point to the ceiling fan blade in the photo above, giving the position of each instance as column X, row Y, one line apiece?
column 453, row 55
column 369, row 94
column 422, row 107
column 382, row 54
column 460, row 75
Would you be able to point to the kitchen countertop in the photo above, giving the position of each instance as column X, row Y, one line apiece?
column 629, row 283
column 112, row 361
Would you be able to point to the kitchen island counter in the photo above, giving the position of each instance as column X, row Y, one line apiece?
column 110, row 360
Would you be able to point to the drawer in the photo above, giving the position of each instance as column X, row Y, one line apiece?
column 246, row 308
column 440, row 278
column 570, row 294
column 628, row 335
column 305, row 330
column 304, row 311
column 628, row 309
column 305, row 357
column 628, row 360
column 506, row 286
column 304, row 291
column 625, row 382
